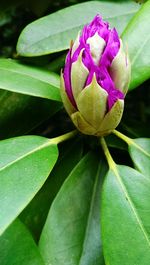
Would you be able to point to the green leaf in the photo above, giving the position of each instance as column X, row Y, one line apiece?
column 125, row 217
column 28, row 80
column 140, row 154
column 17, row 247
column 34, row 216
column 54, row 32
column 19, row 114
column 71, row 234
column 137, row 38
column 24, row 166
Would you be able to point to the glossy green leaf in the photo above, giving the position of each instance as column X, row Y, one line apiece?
column 71, row 234
column 54, row 32
column 140, row 154
column 34, row 216
column 19, row 114
column 125, row 217
column 17, row 247
column 24, row 166
column 28, row 80
column 137, row 38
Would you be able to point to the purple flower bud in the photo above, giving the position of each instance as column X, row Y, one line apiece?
column 95, row 79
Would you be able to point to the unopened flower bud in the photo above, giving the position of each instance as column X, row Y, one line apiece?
column 95, row 79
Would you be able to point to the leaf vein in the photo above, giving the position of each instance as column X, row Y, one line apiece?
column 132, row 206
column 25, row 155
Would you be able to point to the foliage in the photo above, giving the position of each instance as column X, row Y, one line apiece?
column 61, row 202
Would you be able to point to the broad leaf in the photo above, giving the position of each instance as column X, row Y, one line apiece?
column 140, row 153
column 72, row 230
column 28, row 80
column 137, row 38
column 54, row 32
column 125, row 217
column 34, row 216
column 20, row 113
column 17, row 247
column 24, row 166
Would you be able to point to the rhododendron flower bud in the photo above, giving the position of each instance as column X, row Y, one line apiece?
column 95, row 79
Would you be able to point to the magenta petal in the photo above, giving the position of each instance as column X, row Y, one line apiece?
column 102, row 70
column 111, row 50
column 97, row 25
column 87, row 58
column 114, row 95
column 105, row 81
column 67, row 78
column 90, row 77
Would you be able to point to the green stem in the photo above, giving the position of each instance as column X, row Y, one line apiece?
column 129, row 141
column 63, row 137
column 125, row 138
column 109, row 158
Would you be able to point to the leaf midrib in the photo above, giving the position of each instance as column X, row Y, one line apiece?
column 140, row 148
column 26, row 155
column 139, row 221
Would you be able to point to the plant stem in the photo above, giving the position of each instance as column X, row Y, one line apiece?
column 109, row 158
column 125, row 138
column 63, row 137
column 129, row 141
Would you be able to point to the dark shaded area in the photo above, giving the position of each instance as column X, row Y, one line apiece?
column 137, row 112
